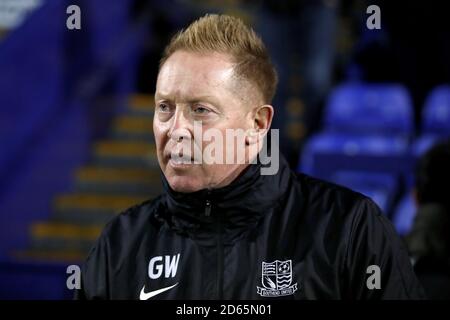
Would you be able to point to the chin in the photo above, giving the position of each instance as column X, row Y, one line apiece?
column 185, row 184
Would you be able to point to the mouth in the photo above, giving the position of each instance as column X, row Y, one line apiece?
column 179, row 161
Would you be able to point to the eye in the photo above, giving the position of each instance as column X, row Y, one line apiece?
column 200, row 110
column 163, row 107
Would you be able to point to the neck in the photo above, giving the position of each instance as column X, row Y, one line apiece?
column 235, row 173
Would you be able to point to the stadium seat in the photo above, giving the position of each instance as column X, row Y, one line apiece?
column 435, row 120
column 369, row 108
column 404, row 214
column 380, row 187
column 366, row 127
column 435, row 125
column 436, row 112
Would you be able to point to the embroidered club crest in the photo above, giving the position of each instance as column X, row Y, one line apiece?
column 277, row 279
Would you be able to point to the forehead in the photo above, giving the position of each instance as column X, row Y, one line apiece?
column 186, row 73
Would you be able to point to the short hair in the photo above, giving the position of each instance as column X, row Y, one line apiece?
column 229, row 35
column 433, row 175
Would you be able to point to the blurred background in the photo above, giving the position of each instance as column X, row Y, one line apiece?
column 354, row 106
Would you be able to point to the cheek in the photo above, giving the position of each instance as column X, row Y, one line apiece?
column 161, row 139
column 160, row 132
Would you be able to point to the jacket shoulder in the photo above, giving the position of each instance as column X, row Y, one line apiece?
column 135, row 218
column 328, row 195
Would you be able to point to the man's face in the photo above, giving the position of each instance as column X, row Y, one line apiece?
column 201, row 88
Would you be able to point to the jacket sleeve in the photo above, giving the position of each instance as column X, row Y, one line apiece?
column 377, row 262
column 94, row 274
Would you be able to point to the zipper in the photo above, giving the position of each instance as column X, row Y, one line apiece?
column 220, row 258
column 219, row 247
column 208, row 208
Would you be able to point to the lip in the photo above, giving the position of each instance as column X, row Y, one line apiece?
column 179, row 163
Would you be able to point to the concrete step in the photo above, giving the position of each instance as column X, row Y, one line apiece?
column 110, row 202
column 86, row 217
column 124, row 180
column 124, row 148
column 133, row 136
column 98, row 174
column 93, row 208
column 119, row 188
column 63, row 256
column 133, row 123
column 54, row 230
column 141, row 104
column 125, row 153
column 133, row 127
column 50, row 236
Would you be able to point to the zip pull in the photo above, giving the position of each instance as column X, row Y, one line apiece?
column 208, row 208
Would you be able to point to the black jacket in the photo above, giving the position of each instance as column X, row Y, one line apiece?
column 284, row 236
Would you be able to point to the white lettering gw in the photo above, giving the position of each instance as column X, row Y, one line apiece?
column 156, row 266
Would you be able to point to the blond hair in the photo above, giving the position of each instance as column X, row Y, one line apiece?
column 229, row 35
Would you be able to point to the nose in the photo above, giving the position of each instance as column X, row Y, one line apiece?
column 180, row 128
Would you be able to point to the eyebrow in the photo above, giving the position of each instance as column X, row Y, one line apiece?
column 199, row 98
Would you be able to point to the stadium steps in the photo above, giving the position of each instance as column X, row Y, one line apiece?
column 125, row 153
column 141, row 104
column 124, row 149
column 112, row 175
column 113, row 202
column 52, row 230
column 123, row 171
column 63, row 236
column 134, row 123
column 49, row 255
column 124, row 180
column 96, row 208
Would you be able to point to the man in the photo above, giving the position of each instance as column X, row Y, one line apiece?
column 225, row 230
column 429, row 239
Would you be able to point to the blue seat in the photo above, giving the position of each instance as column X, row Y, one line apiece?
column 435, row 120
column 436, row 113
column 366, row 127
column 369, row 108
column 435, row 124
column 326, row 153
column 435, row 127
column 404, row 214
column 380, row 187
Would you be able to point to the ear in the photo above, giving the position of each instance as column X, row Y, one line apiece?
column 262, row 120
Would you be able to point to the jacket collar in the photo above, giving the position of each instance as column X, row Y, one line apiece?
column 239, row 204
